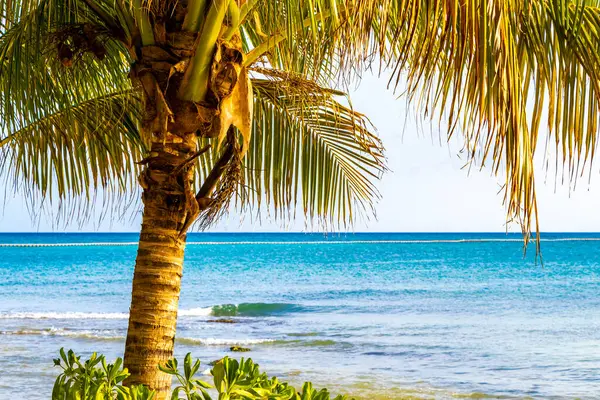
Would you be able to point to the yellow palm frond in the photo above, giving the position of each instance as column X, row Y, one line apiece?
column 307, row 149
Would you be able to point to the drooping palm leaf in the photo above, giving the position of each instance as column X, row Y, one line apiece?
column 486, row 69
column 311, row 147
column 307, row 149
column 69, row 154
column 463, row 62
column 65, row 132
column 32, row 77
column 564, row 43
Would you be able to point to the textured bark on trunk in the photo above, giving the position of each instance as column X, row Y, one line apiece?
column 159, row 263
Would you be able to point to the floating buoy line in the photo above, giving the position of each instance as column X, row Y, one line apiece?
column 321, row 242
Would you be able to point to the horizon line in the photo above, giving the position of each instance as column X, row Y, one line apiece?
column 305, row 232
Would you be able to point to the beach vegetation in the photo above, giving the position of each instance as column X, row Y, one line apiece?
column 94, row 379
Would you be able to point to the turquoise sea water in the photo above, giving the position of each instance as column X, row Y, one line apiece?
column 383, row 315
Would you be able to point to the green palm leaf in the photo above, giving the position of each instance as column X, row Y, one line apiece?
column 311, row 146
column 307, row 149
column 491, row 70
column 70, row 154
column 32, row 78
column 65, row 132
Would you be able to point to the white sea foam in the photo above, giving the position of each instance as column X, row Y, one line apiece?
column 116, row 335
column 85, row 334
column 314, row 242
column 63, row 315
column 196, row 312
column 223, row 342
column 193, row 312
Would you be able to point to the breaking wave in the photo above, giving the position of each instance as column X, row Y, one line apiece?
column 222, row 310
column 252, row 309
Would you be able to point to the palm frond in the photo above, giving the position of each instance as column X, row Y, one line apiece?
column 486, row 68
column 490, row 70
column 309, row 148
column 322, row 40
column 33, row 78
column 67, row 155
column 564, row 43
column 65, row 132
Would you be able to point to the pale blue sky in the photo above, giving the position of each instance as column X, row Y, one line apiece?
column 426, row 190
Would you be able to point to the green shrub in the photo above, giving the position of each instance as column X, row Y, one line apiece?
column 232, row 380
column 94, row 379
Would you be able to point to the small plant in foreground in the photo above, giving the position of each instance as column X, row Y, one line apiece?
column 232, row 380
column 94, row 379
column 188, row 385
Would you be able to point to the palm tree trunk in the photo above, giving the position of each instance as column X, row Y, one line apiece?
column 166, row 181
column 173, row 120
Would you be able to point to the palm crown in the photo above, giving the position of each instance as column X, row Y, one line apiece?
column 71, row 129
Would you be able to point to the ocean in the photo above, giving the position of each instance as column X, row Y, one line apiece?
column 374, row 315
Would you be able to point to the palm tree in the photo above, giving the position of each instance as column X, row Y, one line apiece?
column 209, row 101
column 99, row 93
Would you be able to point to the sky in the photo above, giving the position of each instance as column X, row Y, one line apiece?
column 426, row 190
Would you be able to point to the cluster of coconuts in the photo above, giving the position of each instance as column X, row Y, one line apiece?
column 77, row 41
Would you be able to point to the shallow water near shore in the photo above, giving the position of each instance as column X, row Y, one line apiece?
column 379, row 316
